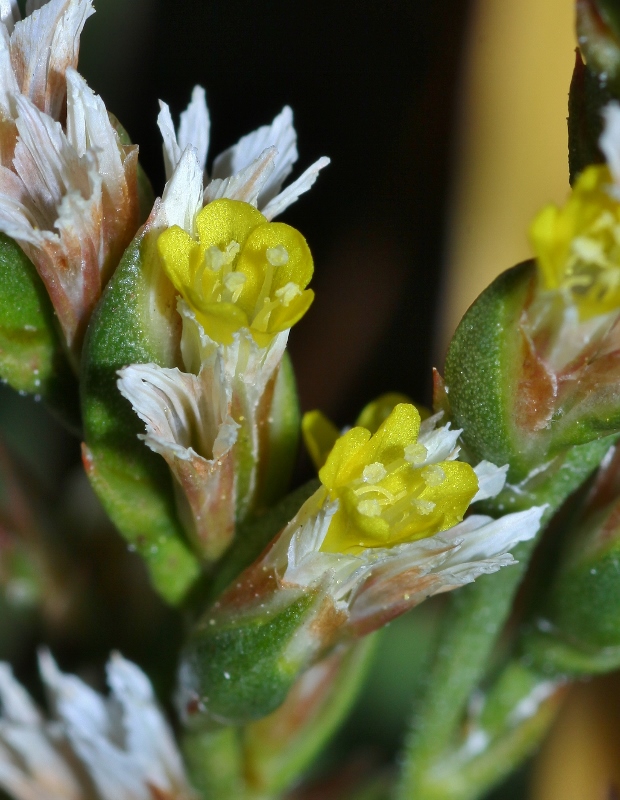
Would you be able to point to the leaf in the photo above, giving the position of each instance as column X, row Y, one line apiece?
column 32, row 359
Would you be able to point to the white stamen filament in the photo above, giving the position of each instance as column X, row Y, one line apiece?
column 234, row 282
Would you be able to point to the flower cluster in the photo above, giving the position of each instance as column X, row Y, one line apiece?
column 240, row 281
column 386, row 529
column 68, row 193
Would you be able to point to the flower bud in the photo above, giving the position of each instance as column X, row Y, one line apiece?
column 576, row 628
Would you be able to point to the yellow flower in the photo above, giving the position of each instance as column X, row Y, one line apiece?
column 320, row 433
column 578, row 246
column 390, row 491
column 243, row 272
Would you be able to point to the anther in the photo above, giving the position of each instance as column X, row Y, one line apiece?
column 433, row 475
column 287, row 293
column 370, row 508
column 214, row 258
column 416, row 454
column 423, row 507
column 277, row 256
column 373, row 473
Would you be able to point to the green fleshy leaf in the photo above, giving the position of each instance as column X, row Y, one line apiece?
column 496, row 388
column 577, row 627
column 32, row 359
column 214, row 760
column 474, row 618
column 134, row 324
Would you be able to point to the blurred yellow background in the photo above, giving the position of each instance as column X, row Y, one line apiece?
column 512, row 159
column 512, row 151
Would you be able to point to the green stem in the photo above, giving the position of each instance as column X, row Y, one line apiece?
column 516, row 715
column 215, row 764
column 474, row 619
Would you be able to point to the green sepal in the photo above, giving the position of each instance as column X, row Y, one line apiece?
column 283, row 438
column 281, row 747
column 133, row 323
column 32, row 359
column 237, row 669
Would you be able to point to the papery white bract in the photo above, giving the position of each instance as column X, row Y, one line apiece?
column 36, row 52
column 253, row 170
column 190, row 421
column 92, row 748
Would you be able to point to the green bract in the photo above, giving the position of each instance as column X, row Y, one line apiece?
column 241, row 668
column 133, row 483
column 504, row 396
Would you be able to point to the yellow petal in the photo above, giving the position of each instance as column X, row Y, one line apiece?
column 253, row 257
column 284, row 317
column 453, row 495
column 221, row 320
column 393, row 435
column 380, row 409
column 343, row 461
column 224, row 221
column 175, row 248
column 320, row 435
